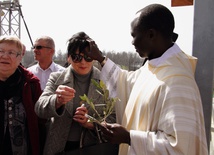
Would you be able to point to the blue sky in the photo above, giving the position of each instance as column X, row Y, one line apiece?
column 107, row 22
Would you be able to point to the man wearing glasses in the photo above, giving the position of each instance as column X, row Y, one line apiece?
column 44, row 49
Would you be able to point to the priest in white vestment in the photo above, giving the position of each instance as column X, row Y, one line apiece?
column 160, row 112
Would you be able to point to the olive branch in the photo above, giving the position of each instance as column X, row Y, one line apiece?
column 109, row 102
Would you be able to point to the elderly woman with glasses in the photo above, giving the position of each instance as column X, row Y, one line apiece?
column 68, row 129
column 19, row 90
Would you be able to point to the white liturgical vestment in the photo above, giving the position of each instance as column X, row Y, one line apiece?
column 160, row 105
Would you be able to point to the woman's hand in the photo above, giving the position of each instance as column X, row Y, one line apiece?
column 64, row 95
column 80, row 117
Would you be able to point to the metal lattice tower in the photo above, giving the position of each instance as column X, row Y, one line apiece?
column 10, row 17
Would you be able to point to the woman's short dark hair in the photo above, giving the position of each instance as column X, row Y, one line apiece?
column 78, row 40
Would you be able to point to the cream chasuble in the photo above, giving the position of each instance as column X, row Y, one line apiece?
column 160, row 105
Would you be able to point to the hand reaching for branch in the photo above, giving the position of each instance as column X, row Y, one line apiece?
column 80, row 117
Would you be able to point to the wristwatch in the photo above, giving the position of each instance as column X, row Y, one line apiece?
column 103, row 62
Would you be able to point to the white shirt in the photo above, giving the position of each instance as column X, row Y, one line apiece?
column 43, row 75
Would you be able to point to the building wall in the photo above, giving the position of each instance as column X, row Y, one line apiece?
column 203, row 49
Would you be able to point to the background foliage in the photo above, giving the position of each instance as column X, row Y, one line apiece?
column 127, row 60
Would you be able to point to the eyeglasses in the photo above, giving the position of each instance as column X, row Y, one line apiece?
column 78, row 58
column 39, row 47
column 11, row 54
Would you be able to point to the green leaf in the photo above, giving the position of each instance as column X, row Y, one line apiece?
column 104, row 92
